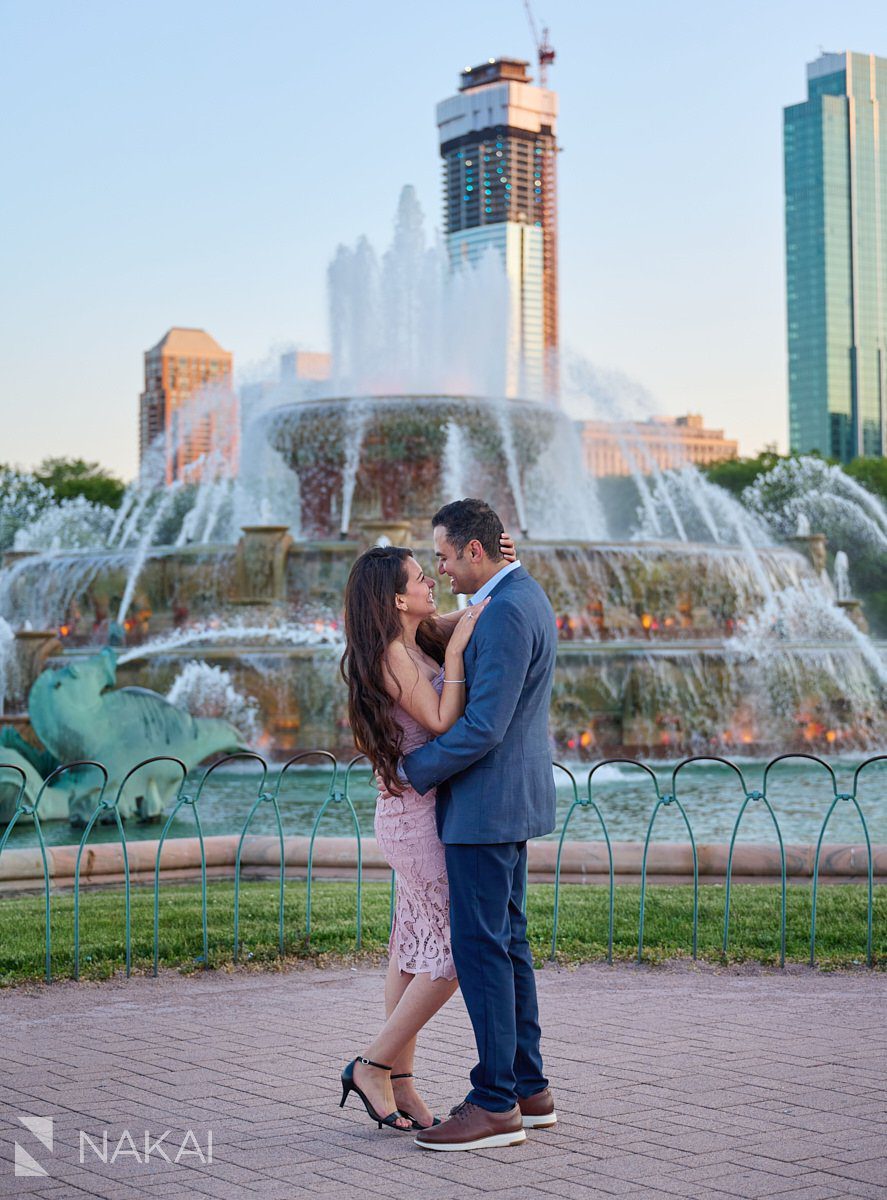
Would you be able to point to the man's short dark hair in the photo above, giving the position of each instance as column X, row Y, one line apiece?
column 471, row 520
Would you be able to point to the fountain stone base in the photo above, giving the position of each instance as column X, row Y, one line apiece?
column 260, row 564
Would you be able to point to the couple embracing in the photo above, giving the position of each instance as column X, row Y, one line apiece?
column 452, row 711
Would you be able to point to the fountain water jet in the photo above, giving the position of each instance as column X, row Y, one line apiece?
column 842, row 576
column 142, row 550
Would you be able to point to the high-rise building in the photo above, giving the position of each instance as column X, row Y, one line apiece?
column 497, row 140
column 189, row 399
column 666, row 443
column 836, row 257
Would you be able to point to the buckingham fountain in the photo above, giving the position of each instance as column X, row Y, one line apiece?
column 711, row 627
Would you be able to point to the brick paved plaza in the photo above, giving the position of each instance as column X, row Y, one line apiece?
column 673, row 1081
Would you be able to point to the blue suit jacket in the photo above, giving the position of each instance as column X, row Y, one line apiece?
column 492, row 769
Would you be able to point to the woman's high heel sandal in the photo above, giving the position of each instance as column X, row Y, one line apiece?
column 348, row 1085
column 403, row 1113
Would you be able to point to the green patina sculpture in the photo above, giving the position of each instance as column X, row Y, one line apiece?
column 77, row 714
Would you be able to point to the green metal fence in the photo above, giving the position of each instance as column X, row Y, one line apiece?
column 584, row 799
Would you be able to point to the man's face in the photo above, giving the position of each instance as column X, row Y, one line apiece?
column 450, row 562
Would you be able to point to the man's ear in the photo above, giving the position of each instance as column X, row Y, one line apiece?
column 476, row 550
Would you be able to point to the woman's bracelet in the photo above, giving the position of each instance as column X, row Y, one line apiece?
column 454, row 681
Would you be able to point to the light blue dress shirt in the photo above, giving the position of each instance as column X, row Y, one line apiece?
column 481, row 595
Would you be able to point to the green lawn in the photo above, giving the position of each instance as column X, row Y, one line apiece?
column 582, row 931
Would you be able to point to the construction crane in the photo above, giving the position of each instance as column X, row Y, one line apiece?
column 544, row 48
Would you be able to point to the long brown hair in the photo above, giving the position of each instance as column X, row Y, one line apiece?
column 371, row 625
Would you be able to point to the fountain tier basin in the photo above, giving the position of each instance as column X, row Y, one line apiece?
column 404, row 456
column 651, row 661
column 603, row 591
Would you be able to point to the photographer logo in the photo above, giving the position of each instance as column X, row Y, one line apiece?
column 41, row 1128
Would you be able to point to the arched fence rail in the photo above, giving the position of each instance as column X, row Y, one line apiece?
column 582, row 799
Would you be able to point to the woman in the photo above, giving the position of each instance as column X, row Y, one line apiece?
column 406, row 683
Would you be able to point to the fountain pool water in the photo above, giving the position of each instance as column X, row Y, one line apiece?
column 800, row 795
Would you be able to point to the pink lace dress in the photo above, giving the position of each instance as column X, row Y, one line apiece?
column 406, row 833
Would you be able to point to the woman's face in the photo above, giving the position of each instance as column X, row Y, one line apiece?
column 417, row 598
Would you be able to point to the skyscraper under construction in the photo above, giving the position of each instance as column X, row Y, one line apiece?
column 497, row 140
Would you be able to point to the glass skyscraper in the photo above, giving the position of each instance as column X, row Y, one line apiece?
column 498, row 144
column 836, row 258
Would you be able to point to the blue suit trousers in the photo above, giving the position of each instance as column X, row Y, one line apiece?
column 495, row 968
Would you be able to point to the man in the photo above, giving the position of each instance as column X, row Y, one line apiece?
column 495, row 789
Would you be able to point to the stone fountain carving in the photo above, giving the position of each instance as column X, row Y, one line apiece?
column 260, row 569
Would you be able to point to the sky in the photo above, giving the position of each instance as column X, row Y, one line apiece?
column 197, row 162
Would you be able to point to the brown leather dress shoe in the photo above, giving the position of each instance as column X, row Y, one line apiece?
column 471, row 1127
column 538, row 1111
